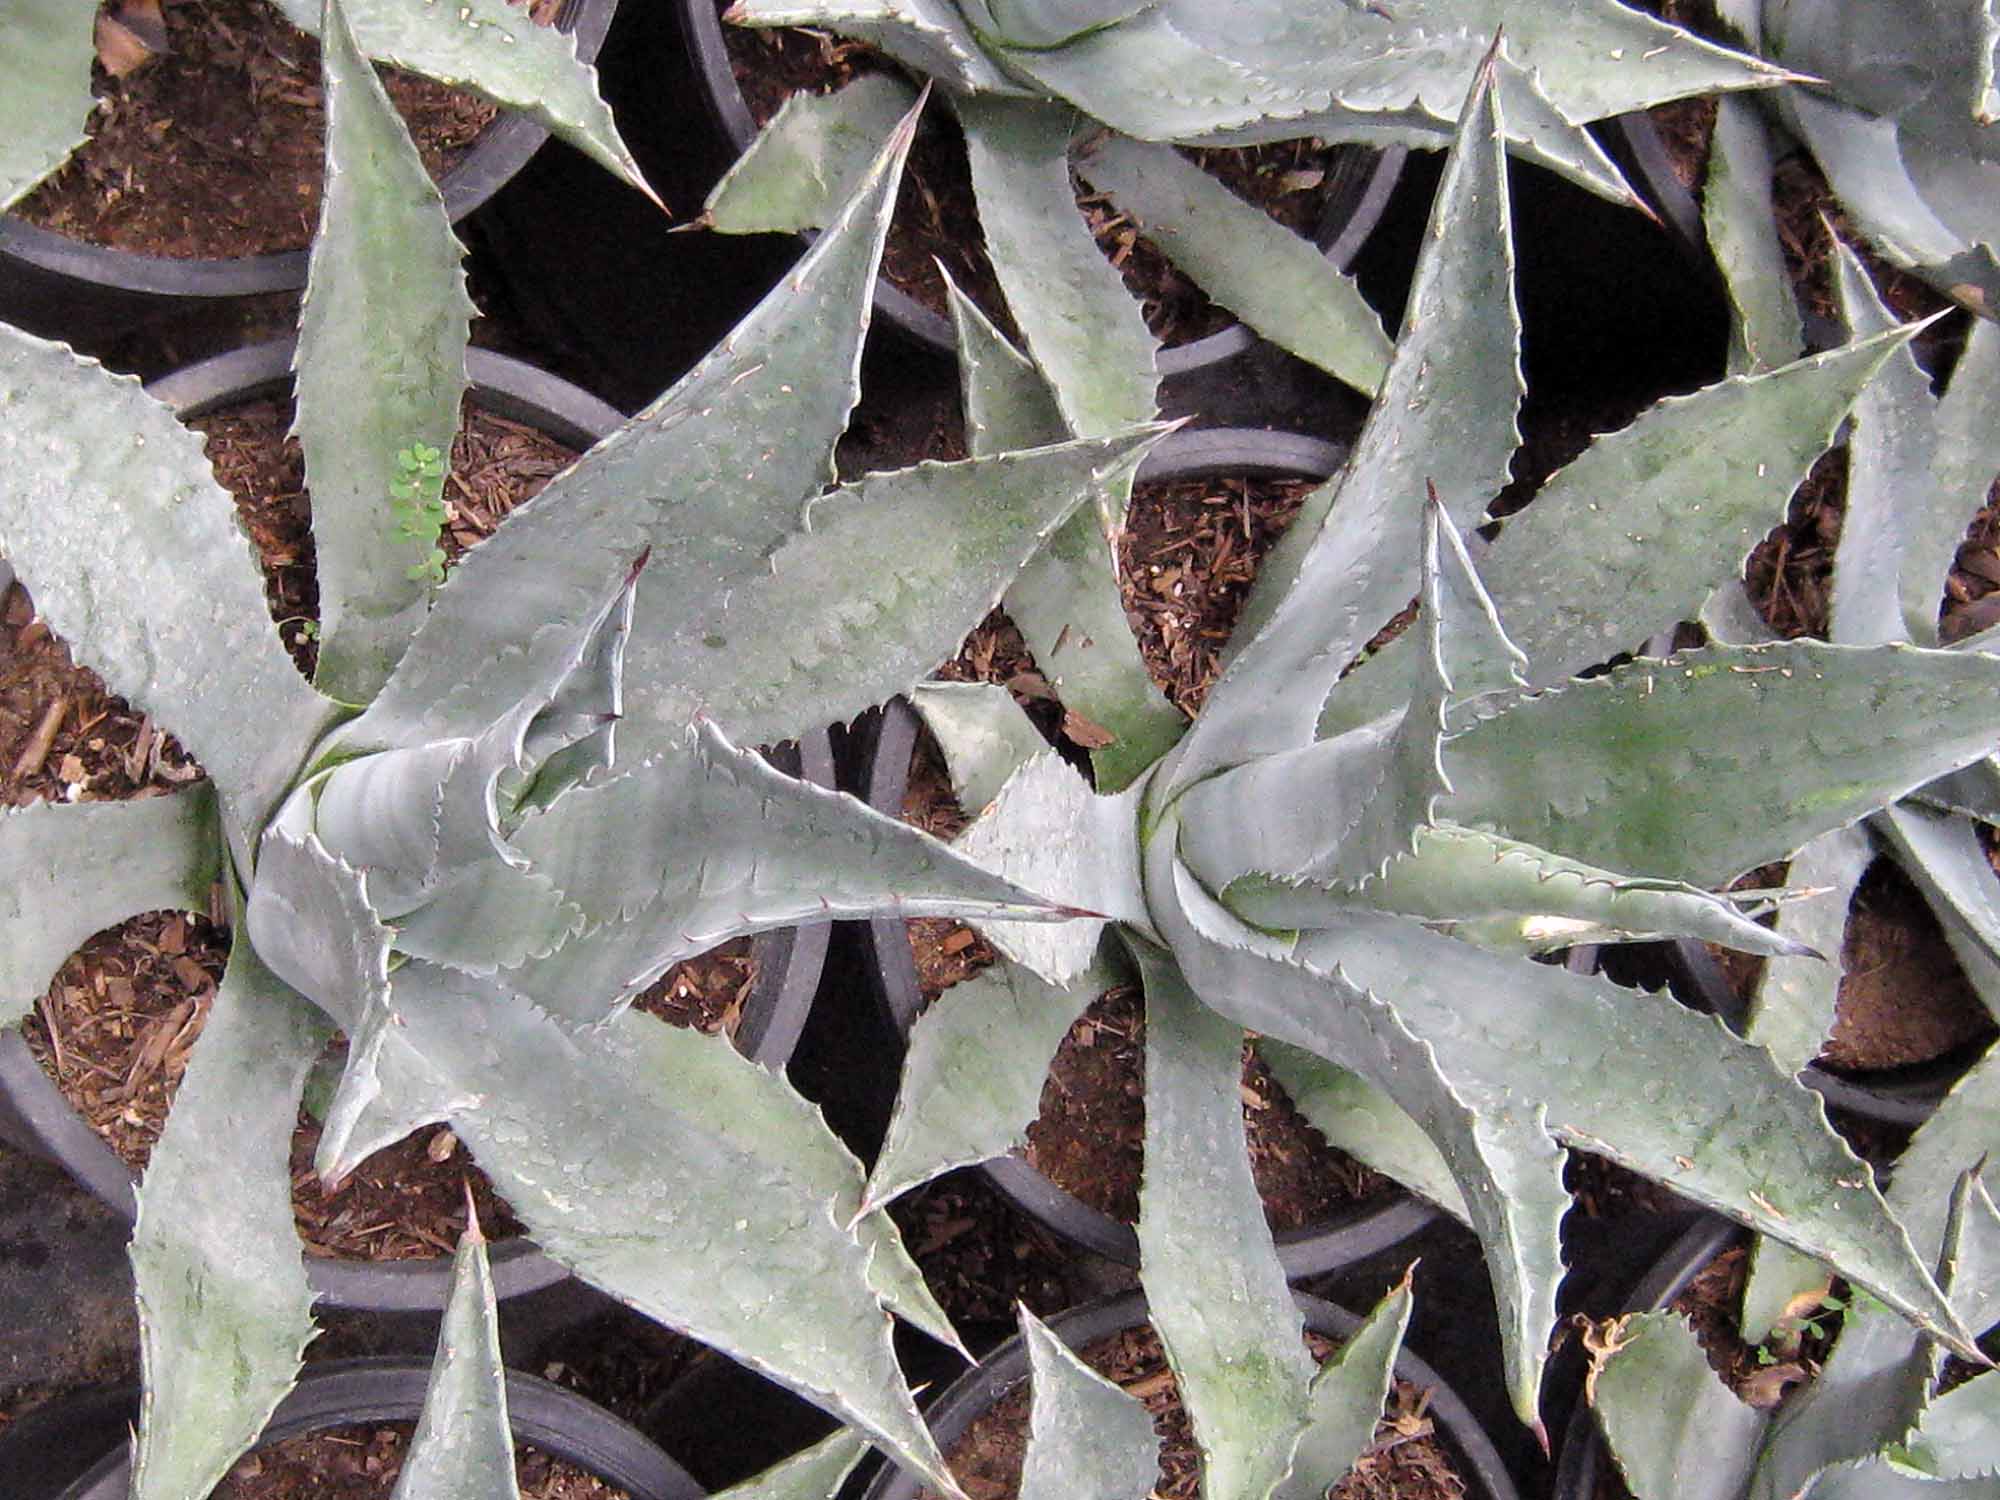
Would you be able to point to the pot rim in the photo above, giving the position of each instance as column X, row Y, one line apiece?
column 558, row 1421
column 1340, row 238
column 1003, row 1370
column 1367, row 1228
column 496, row 154
column 34, row 1112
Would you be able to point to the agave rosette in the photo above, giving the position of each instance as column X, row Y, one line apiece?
column 433, row 846
column 1358, row 865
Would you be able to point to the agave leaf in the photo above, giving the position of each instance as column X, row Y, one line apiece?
column 463, row 1448
column 1347, row 1397
column 1081, row 325
column 1066, row 600
column 1517, row 898
column 805, row 162
column 984, row 735
column 1958, row 1430
column 973, row 1072
column 1963, row 458
column 492, row 48
column 1349, row 808
column 1508, row 1169
column 687, row 851
column 1888, row 456
column 930, row 37
column 1276, row 281
column 1445, row 415
column 1049, row 831
column 1087, row 1439
column 1572, row 572
column 1879, row 1375
column 815, row 1473
column 1791, row 1012
column 1945, row 855
column 640, row 1190
column 1677, row 1432
column 1737, row 212
column 1884, row 1479
column 380, row 364
column 757, row 417
column 224, row 1311
column 1762, row 1152
column 47, row 98
column 1789, row 741
column 311, row 922
column 1973, row 791
column 135, row 558
column 1047, row 23
column 70, row 870
column 1219, row 1301
column 1358, row 1118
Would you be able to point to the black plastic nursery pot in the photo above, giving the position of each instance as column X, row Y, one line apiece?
column 1006, row 1368
column 35, row 1115
column 343, row 1393
column 1356, row 196
column 1368, row 1227
column 66, row 288
column 1584, row 1459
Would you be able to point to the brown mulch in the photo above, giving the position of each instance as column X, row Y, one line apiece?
column 1186, row 560
column 363, row 1463
column 214, row 149
column 496, row 464
column 1406, row 1461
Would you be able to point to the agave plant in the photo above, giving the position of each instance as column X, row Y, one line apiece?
column 1877, row 1420
column 1898, row 112
column 430, row 846
column 488, row 46
column 1919, row 467
column 1358, row 865
column 1108, row 88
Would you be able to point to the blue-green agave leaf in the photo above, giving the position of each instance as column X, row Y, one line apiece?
column 1087, row 1439
column 1358, row 1118
column 1050, row 832
column 639, row 1188
column 756, row 419
column 463, row 1448
column 110, row 512
column 1677, row 1432
column 688, row 850
column 984, row 734
column 494, row 49
column 381, row 368
column 805, row 163
column 46, row 97
column 1737, row 213
column 224, row 1311
column 1066, row 600
column 1945, row 856
column 1445, row 416
column 1788, row 741
column 1965, row 454
column 1046, row 23
column 1502, row 1157
column 815, row 1473
column 1347, row 1397
column 1791, row 1010
column 1278, row 282
column 1081, row 325
column 972, row 1076
column 70, row 870
column 1780, row 1282
column 930, row 37
column 1889, row 1479
column 1232, row 1333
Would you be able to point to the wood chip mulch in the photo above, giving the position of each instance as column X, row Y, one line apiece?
column 1407, row 1460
